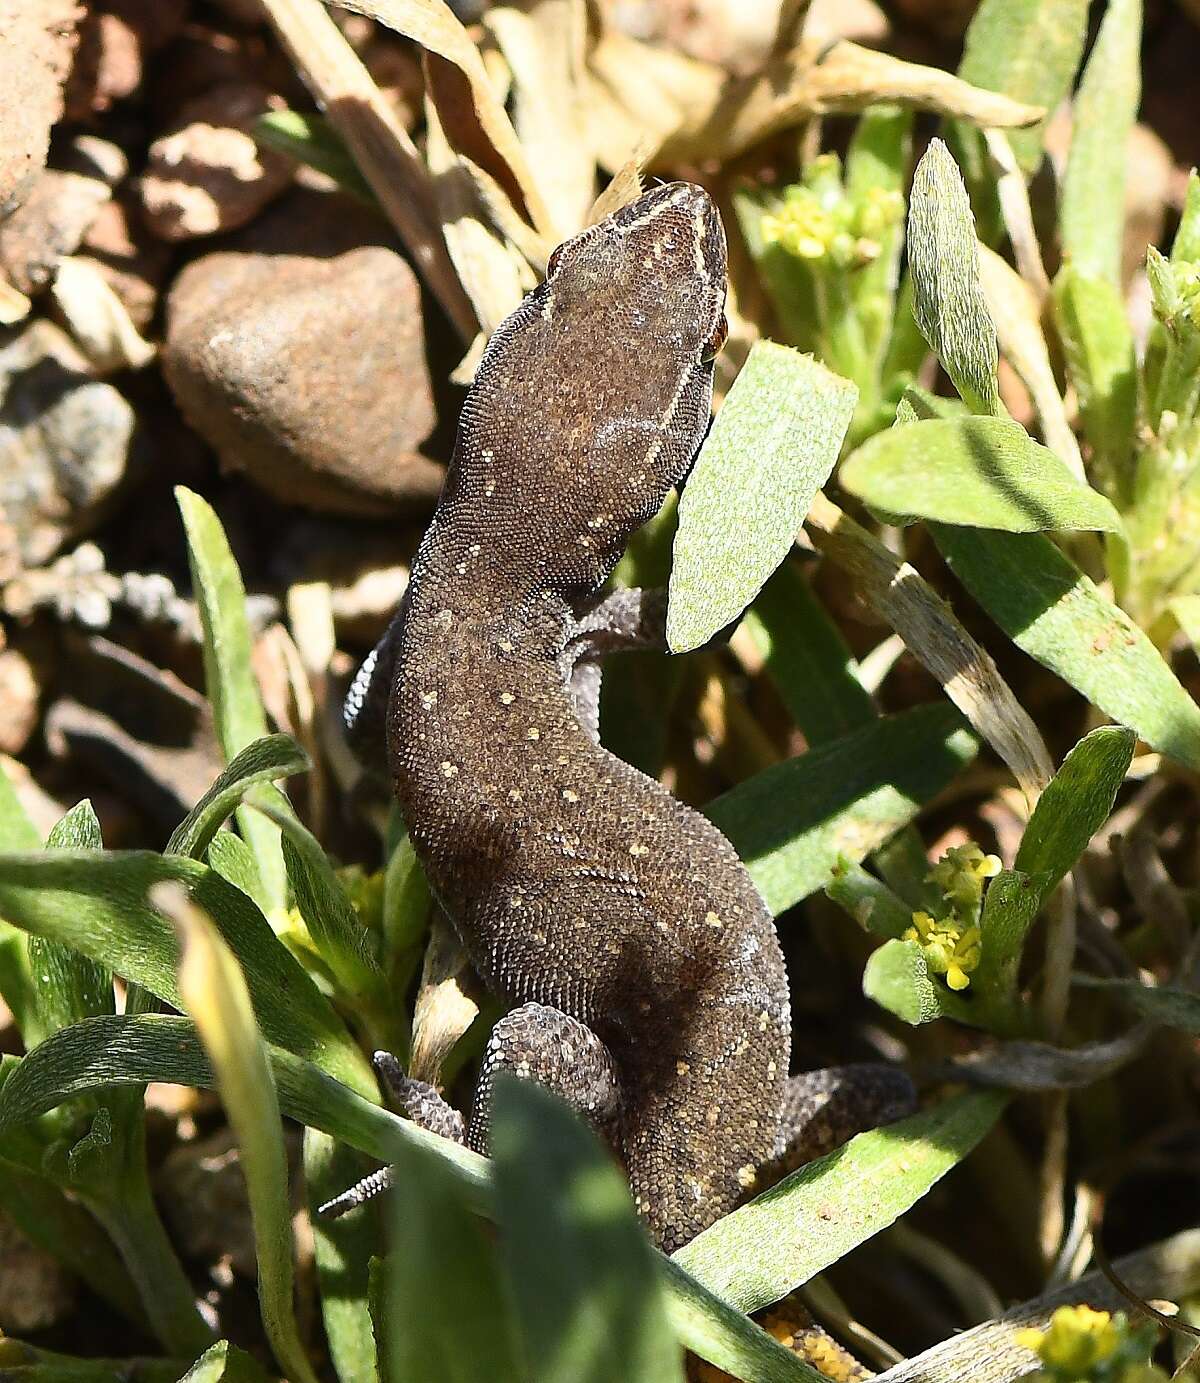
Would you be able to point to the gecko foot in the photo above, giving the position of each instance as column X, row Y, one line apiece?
column 416, row 1100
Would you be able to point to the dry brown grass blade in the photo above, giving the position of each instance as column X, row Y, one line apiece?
column 989, row 1353
column 935, row 637
column 506, row 219
column 545, row 49
column 639, row 97
column 446, row 1005
column 494, row 276
column 624, row 187
column 1017, row 213
column 811, row 81
column 473, row 117
column 385, row 155
column 1017, row 315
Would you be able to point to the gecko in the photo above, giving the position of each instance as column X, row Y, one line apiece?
column 644, row 969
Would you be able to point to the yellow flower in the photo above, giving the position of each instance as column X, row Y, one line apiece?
column 1078, row 1339
column 949, row 949
column 961, row 873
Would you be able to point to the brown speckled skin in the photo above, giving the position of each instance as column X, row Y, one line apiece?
column 574, row 881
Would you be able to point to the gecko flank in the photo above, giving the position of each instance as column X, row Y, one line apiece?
column 648, row 978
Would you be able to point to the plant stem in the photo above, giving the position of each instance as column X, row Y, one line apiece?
column 132, row 1221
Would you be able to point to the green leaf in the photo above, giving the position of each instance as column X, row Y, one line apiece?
column 897, row 978
column 1092, row 212
column 1055, row 614
column 1172, row 1007
column 1186, row 245
column 225, row 1363
column 214, row 992
column 806, row 658
column 276, row 756
column 343, row 1249
column 230, row 857
column 98, row 904
column 449, row 1312
column 1075, row 804
column 868, row 900
column 1098, row 346
column 24, row 1363
column 68, row 986
column 584, row 1280
column 766, row 1249
column 1029, row 50
column 345, row 945
column 948, row 300
column 1010, row 908
column 792, row 822
column 310, row 139
column 228, row 673
column 975, row 472
column 770, row 450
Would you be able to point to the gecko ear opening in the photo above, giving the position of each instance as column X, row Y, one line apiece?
column 716, row 340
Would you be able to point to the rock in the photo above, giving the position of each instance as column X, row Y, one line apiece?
column 133, row 262
column 210, row 175
column 52, row 223
column 19, row 693
column 36, row 1291
column 115, row 39
column 65, row 442
column 37, row 39
column 300, row 358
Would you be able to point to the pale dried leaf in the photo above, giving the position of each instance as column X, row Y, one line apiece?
column 488, row 268
column 1014, row 309
column 1017, row 213
column 97, row 318
column 544, row 48
column 463, row 373
column 433, row 25
column 445, row 1007
column 935, row 637
column 812, row 80
column 506, row 219
column 384, row 153
column 625, row 187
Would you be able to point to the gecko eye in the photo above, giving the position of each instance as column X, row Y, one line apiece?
column 716, row 340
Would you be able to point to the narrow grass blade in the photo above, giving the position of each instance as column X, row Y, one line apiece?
column 262, row 761
column 98, row 904
column 975, row 472
column 343, row 1249
column 228, row 675
column 584, row 1280
column 1055, row 614
column 214, row 992
column 771, row 449
column 759, row 1253
column 1029, row 50
column 948, row 299
column 68, row 986
column 312, row 140
column 448, row 1313
column 805, row 656
column 1164, row 1004
column 1101, row 365
column 347, row 947
column 793, row 822
column 1075, row 804
column 1092, row 213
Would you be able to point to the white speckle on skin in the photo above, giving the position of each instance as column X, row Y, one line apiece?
column 507, row 698
column 429, row 700
column 712, row 920
column 568, row 795
column 448, row 769
column 533, row 733
column 638, row 849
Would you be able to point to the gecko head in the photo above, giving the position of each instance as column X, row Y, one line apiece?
column 661, row 262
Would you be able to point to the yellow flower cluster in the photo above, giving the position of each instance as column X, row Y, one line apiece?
column 952, row 945
column 1083, row 1345
column 819, row 220
column 949, row 949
